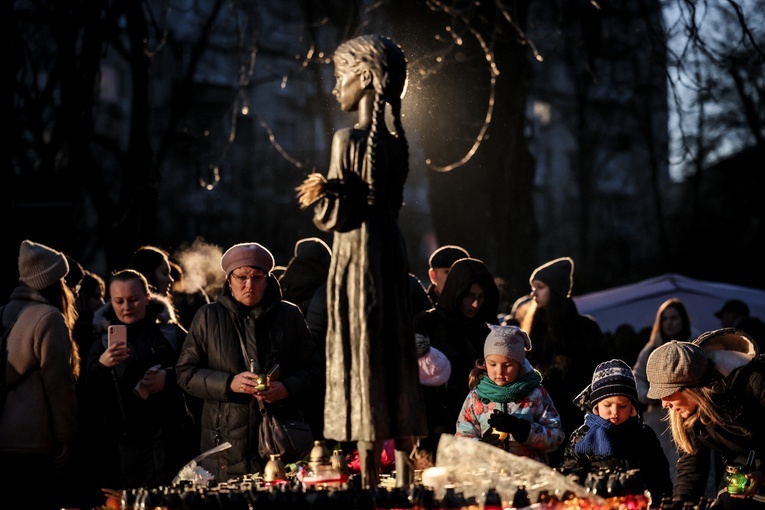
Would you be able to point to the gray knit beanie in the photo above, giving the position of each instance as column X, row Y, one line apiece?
column 510, row 341
column 40, row 266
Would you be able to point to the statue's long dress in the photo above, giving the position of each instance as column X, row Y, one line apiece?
column 372, row 387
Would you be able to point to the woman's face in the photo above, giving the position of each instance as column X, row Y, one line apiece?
column 502, row 369
column 472, row 301
column 129, row 300
column 540, row 293
column 348, row 89
column 162, row 278
column 616, row 409
column 679, row 402
column 248, row 285
column 671, row 323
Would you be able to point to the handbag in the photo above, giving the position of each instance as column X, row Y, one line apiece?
column 290, row 437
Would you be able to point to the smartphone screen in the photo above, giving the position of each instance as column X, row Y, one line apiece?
column 117, row 334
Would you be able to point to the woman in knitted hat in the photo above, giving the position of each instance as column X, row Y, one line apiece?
column 372, row 384
column 714, row 389
column 507, row 406
column 567, row 346
column 613, row 435
column 38, row 418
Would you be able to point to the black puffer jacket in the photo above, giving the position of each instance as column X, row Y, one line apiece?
column 112, row 413
column 212, row 355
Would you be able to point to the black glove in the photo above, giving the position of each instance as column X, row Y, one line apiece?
column 504, row 422
column 492, row 438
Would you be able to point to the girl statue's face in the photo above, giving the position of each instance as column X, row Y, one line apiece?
column 348, row 89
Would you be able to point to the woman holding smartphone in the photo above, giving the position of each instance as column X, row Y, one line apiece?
column 132, row 387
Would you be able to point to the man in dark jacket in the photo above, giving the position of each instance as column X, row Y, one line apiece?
column 247, row 331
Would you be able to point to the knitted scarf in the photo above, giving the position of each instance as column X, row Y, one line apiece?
column 488, row 391
column 596, row 441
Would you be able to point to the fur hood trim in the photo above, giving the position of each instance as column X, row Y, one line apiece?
column 159, row 306
column 728, row 348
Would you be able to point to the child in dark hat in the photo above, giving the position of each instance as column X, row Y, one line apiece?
column 613, row 436
column 507, row 405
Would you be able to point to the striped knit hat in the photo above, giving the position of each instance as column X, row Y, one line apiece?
column 613, row 378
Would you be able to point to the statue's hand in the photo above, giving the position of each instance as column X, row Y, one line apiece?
column 311, row 190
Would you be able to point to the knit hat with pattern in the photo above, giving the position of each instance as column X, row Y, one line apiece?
column 613, row 378
column 40, row 266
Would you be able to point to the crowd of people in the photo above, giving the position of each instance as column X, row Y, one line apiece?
column 119, row 382
column 74, row 414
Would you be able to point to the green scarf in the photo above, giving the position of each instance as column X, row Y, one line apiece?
column 488, row 391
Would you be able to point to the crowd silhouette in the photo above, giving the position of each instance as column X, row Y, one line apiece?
column 104, row 434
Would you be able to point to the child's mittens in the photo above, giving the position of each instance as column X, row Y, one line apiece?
column 492, row 438
column 518, row 427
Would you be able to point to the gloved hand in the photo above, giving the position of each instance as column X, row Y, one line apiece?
column 504, row 422
column 492, row 438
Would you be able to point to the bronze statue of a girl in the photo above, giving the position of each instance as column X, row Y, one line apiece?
column 372, row 373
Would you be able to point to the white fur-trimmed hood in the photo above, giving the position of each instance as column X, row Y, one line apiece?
column 729, row 348
column 160, row 307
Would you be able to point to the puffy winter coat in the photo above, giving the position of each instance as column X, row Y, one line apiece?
column 274, row 332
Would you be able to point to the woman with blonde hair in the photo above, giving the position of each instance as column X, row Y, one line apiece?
column 714, row 390
column 672, row 323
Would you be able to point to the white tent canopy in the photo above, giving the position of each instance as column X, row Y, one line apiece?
column 636, row 304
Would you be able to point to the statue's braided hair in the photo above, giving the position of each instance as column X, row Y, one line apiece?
column 385, row 60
